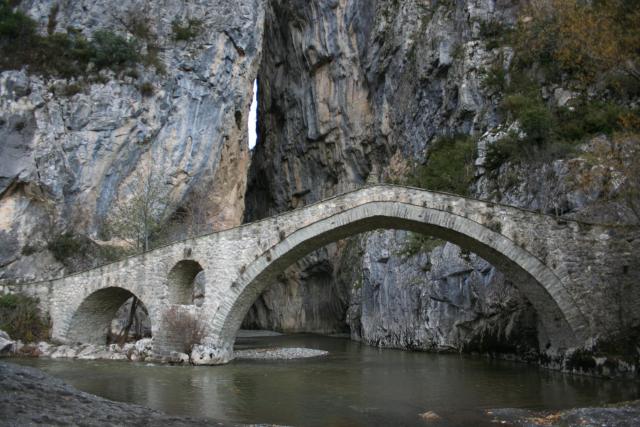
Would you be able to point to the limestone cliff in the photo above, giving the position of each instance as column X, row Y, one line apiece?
column 71, row 146
column 359, row 91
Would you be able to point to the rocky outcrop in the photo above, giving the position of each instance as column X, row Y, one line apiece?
column 356, row 92
column 69, row 155
column 368, row 87
column 7, row 345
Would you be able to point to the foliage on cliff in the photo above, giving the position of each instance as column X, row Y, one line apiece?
column 589, row 50
column 20, row 317
column 59, row 54
column 449, row 166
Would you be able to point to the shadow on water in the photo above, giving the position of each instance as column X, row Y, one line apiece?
column 355, row 385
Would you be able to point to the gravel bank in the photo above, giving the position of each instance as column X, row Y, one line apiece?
column 279, row 353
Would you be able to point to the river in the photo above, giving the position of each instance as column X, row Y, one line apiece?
column 355, row 385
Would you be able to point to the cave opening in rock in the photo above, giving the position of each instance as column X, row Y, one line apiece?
column 253, row 118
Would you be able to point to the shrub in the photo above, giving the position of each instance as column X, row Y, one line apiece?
column 28, row 250
column 59, row 54
column 449, row 166
column 185, row 31
column 584, row 39
column 536, row 119
column 147, row 89
column 72, row 89
column 110, row 50
column 495, row 79
column 21, row 318
column 184, row 327
column 64, row 246
column 417, row 243
column 493, row 32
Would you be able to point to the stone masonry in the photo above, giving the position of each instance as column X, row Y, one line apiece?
column 581, row 278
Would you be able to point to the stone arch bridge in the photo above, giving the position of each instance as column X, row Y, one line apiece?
column 581, row 278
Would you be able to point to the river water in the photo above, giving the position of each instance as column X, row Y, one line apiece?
column 355, row 385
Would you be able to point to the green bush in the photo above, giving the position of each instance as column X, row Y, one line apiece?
column 449, row 166
column 185, row 31
column 417, row 243
column 536, row 120
column 109, row 50
column 64, row 246
column 147, row 89
column 494, row 33
column 59, row 54
column 495, row 79
column 21, row 318
column 15, row 26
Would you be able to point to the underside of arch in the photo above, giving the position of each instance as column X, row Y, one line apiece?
column 563, row 323
column 91, row 321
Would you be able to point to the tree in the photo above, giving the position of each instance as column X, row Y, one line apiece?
column 138, row 217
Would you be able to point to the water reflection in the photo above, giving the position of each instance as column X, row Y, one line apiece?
column 355, row 385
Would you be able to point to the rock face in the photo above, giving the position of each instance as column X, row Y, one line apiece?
column 369, row 86
column 357, row 91
column 66, row 159
column 6, row 344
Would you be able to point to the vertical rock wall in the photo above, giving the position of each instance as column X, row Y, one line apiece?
column 355, row 91
column 66, row 158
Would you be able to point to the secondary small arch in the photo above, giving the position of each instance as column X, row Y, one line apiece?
column 91, row 321
column 181, row 282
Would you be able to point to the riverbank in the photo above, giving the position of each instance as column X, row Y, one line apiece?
column 619, row 414
column 142, row 350
column 28, row 396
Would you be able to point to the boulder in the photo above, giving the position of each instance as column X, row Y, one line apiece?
column 208, row 353
column 7, row 345
column 64, row 351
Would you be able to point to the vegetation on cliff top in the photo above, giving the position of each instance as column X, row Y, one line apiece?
column 589, row 50
column 69, row 54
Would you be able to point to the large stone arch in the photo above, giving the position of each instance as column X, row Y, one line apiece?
column 563, row 323
column 90, row 322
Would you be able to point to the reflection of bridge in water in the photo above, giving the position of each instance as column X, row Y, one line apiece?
column 581, row 278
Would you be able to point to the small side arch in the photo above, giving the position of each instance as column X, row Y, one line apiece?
column 181, row 282
column 91, row 321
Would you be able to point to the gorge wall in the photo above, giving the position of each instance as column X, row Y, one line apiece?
column 71, row 147
column 356, row 91
column 350, row 92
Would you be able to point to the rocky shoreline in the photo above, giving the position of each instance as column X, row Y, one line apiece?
column 142, row 350
column 28, row 396
column 619, row 414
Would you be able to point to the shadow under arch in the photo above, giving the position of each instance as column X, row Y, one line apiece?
column 91, row 321
column 562, row 322
column 180, row 281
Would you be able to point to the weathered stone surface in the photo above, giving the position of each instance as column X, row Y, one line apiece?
column 7, row 345
column 72, row 157
column 561, row 267
column 208, row 353
column 357, row 91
